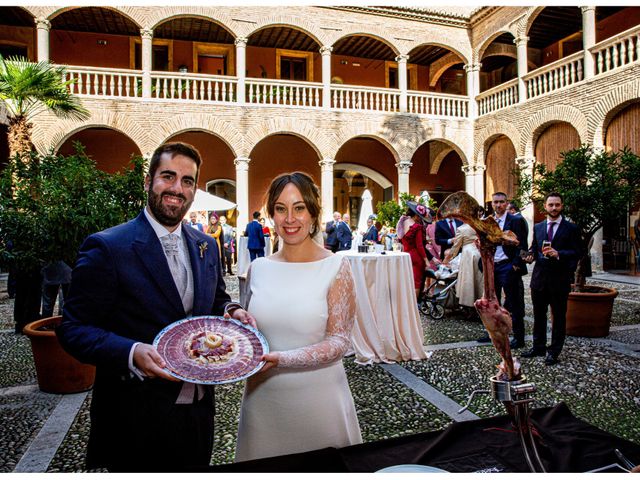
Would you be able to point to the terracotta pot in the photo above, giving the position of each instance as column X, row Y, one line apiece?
column 589, row 313
column 57, row 371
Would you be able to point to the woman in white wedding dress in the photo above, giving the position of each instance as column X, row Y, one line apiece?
column 303, row 300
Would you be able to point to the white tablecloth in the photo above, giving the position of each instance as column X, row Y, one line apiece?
column 243, row 254
column 387, row 327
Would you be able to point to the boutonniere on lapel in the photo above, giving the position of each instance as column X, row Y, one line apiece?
column 202, row 245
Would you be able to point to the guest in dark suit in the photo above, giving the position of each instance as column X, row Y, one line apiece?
column 255, row 242
column 332, row 232
column 552, row 277
column 372, row 232
column 344, row 234
column 126, row 287
column 510, row 268
column 445, row 233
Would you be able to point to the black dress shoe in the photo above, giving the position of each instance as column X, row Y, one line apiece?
column 484, row 339
column 532, row 353
column 550, row 359
column 516, row 344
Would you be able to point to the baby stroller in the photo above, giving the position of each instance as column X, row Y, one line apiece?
column 441, row 293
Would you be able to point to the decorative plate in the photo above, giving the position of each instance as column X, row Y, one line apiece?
column 211, row 350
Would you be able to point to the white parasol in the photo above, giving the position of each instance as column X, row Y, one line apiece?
column 366, row 210
column 208, row 202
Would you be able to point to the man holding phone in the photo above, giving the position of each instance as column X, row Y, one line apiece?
column 556, row 250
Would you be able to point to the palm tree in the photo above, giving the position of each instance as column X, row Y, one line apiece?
column 27, row 89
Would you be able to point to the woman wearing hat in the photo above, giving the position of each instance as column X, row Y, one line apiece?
column 411, row 231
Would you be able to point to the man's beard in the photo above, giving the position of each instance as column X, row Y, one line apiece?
column 169, row 216
column 554, row 215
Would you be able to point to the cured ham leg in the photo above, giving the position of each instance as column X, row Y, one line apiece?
column 496, row 319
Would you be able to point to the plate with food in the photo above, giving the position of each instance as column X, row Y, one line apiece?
column 211, row 350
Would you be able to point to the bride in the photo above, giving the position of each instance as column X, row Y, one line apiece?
column 304, row 303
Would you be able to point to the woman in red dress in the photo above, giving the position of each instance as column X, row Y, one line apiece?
column 412, row 232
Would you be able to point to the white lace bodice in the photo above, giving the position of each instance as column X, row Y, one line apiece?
column 305, row 310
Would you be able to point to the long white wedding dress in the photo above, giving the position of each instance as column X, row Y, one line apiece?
column 306, row 312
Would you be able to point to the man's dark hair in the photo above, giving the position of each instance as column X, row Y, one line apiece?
column 256, row 215
column 513, row 206
column 175, row 148
column 553, row 194
column 501, row 194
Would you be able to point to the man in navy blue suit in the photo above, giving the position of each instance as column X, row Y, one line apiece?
column 343, row 233
column 552, row 276
column 510, row 267
column 126, row 287
column 332, row 232
column 445, row 232
column 255, row 242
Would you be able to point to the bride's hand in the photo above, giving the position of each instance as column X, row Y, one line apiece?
column 271, row 360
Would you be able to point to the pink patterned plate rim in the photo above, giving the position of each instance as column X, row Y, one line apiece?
column 175, row 342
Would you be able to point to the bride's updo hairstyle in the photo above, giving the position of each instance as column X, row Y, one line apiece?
column 308, row 189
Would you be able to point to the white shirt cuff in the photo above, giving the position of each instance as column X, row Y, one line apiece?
column 132, row 367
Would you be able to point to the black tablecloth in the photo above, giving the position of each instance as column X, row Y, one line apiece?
column 566, row 444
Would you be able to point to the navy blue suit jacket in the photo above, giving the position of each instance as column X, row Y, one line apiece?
column 332, row 233
column 443, row 234
column 256, row 237
column 518, row 225
column 122, row 292
column 343, row 234
column 372, row 234
column 552, row 272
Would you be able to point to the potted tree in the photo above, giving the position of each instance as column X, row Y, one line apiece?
column 48, row 205
column 595, row 185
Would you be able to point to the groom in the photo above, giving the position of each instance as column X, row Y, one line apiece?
column 127, row 286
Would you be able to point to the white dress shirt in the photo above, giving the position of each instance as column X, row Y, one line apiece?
column 500, row 255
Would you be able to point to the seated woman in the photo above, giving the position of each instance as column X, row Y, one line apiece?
column 303, row 299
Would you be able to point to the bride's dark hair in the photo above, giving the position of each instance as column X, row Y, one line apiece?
column 308, row 189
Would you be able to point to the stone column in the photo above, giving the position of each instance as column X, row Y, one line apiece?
column 469, row 179
column 588, row 39
column 404, row 168
column 325, row 51
column 147, row 55
column 521, row 45
column 326, row 188
column 241, row 68
column 43, row 27
column 473, row 88
column 402, row 80
column 242, row 190
column 478, row 193
column 526, row 164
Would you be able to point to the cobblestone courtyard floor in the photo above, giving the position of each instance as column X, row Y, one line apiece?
column 599, row 379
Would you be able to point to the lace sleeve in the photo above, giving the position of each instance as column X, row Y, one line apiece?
column 341, row 302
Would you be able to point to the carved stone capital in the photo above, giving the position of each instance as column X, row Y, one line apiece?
column 586, row 9
column 242, row 163
column 241, row 41
column 327, row 164
column 146, row 33
column 326, row 50
column 472, row 67
column 521, row 41
column 404, row 166
column 43, row 24
column 402, row 58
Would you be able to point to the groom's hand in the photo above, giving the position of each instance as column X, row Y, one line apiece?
column 243, row 316
column 147, row 359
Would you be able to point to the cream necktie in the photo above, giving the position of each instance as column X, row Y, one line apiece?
column 178, row 270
